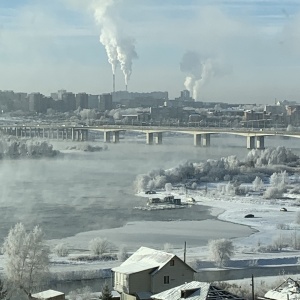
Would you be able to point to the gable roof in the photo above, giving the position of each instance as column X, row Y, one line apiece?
column 195, row 290
column 144, row 259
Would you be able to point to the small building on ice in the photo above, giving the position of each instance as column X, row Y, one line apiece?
column 49, row 295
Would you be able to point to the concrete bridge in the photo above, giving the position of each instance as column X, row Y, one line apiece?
column 255, row 139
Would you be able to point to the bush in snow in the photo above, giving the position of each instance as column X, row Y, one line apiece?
column 220, row 251
column 283, row 226
column 273, row 192
column 99, row 246
column 61, row 250
column 194, row 185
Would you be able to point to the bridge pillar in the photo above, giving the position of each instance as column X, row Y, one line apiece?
column 260, row 142
column 116, row 136
column 149, row 138
column 86, row 135
column 72, row 134
column 206, row 140
column 159, row 138
column 250, row 142
column 106, row 136
column 197, row 140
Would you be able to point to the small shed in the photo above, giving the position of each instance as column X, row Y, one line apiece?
column 49, row 295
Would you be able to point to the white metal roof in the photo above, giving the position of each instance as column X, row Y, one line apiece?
column 143, row 259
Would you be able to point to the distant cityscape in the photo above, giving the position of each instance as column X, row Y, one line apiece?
column 153, row 108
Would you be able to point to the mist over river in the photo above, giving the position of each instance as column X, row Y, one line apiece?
column 81, row 191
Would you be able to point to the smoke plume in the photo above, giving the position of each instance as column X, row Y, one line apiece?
column 199, row 71
column 119, row 47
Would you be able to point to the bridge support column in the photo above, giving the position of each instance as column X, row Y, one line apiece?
column 72, row 134
column 116, row 136
column 197, row 140
column 106, row 136
column 159, row 138
column 250, row 142
column 149, row 138
column 86, row 135
column 260, row 142
column 206, row 140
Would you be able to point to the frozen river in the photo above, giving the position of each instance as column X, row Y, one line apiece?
column 80, row 192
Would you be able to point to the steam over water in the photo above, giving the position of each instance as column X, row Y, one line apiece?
column 81, row 191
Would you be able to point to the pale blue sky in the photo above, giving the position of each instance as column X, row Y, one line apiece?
column 49, row 45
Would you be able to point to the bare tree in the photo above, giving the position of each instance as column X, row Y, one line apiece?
column 99, row 246
column 26, row 258
column 220, row 251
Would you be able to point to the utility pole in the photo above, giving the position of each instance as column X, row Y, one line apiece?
column 252, row 286
column 184, row 252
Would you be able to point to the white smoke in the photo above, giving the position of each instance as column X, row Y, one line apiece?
column 119, row 47
column 198, row 72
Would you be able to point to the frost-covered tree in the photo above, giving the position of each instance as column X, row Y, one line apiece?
column 257, row 184
column 275, row 179
column 168, row 187
column 99, row 246
column 220, row 251
column 26, row 258
column 151, row 185
column 61, row 250
column 81, row 294
column 273, row 192
column 106, row 292
column 168, row 247
column 122, row 253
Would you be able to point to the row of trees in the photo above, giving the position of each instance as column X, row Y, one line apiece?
column 256, row 164
column 11, row 148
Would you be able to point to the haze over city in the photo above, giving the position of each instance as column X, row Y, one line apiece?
column 241, row 51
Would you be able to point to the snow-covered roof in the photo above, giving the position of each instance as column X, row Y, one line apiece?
column 195, row 290
column 290, row 289
column 198, row 291
column 47, row 294
column 144, row 259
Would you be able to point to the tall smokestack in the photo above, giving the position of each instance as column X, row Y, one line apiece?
column 114, row 82
column 126, row 87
